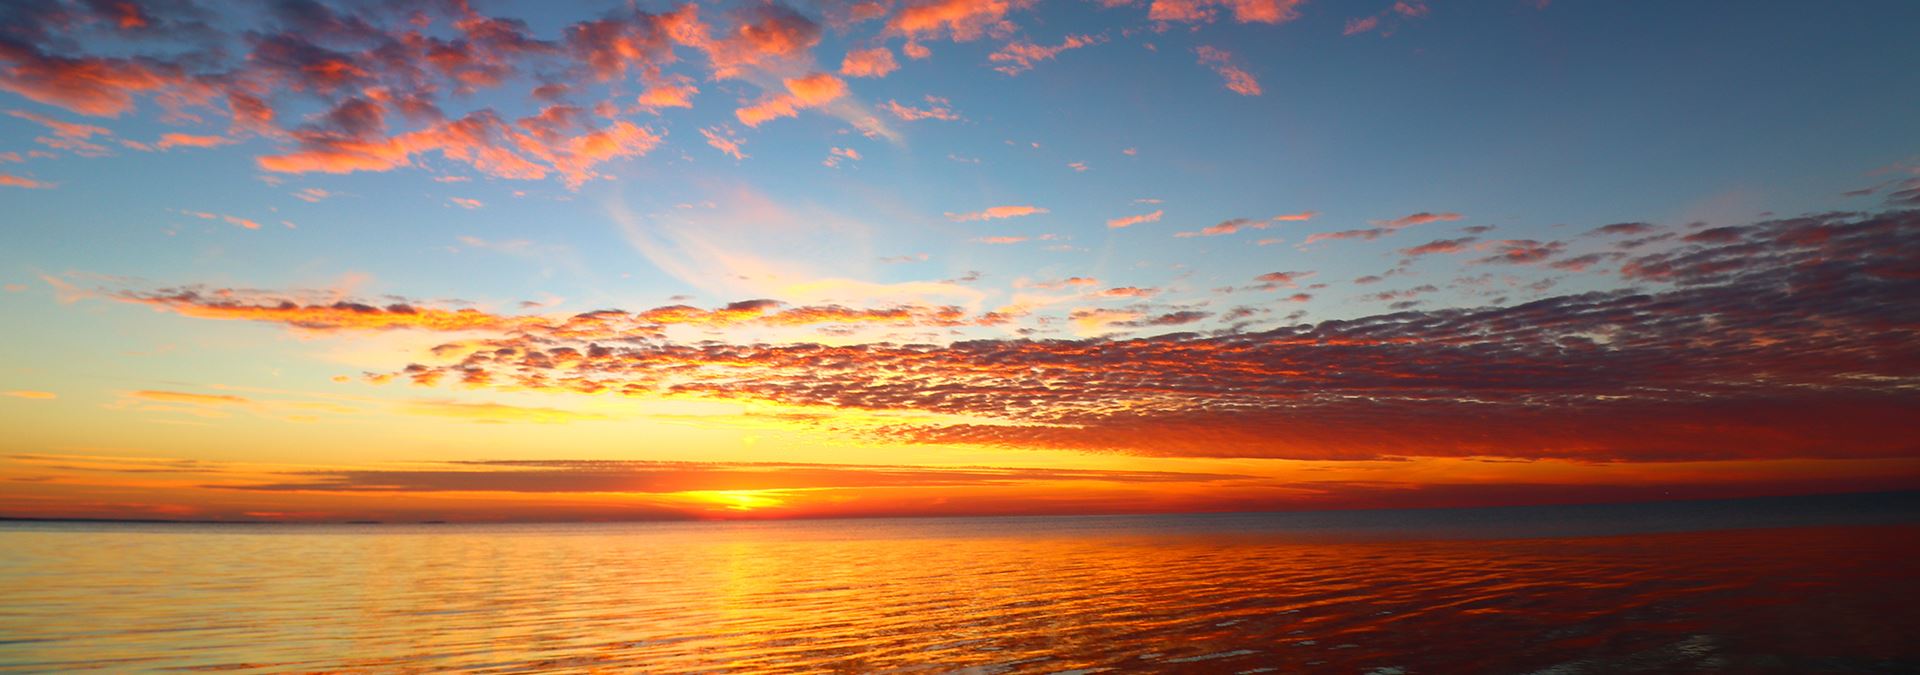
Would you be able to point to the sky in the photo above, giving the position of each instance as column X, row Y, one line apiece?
column 492, row 261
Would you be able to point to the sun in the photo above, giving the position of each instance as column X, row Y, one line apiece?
column 739, row 500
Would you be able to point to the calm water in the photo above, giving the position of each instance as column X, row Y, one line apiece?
column 1809, row 585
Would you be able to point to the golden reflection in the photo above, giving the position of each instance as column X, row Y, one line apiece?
column 984, row 595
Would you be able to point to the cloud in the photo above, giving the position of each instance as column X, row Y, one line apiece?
column 1906, row 193
column 1057, row 284
column 723, row 139
column 29, row 394
column 466, row 203
column 188, row 398
column 1020, row 56
column 1368, row 234
column 811, row 91
column 1439, row 246
column 1239, row 81
column 1243, row 11
column 1178, row 318
column 1722, row 365
column 1277, row 280
column 1128, row 221
column 1520, row 251
column 10, row 180
column 1622, row 229
column 231, row 220
column 937, row 109
column 494, row 413
column 875, row 62
column 668, row 95
column 1238, row 224
column 836, row 155
column 171, row 141
column 761, row 34
column 62, row 129
column 582, row 476
column 481, row 140
column 101, row 87
column 1420, row 218
column 309, row 311
column 995, row 213
column 960, row 20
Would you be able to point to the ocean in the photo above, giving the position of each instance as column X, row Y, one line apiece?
column 1791, row 585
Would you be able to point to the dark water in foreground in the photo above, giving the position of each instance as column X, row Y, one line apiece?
column 1797, row 585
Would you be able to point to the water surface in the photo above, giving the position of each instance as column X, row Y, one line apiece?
column 1756, row 586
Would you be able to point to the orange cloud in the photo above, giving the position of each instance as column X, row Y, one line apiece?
column 34, row 395
column 344, row 315
column 1243, row 11
column 1420, row 218
column 341, row 315
column 100, row 87
column 1239, row 81
column 1761, row 347
column 875, row 62
column 1018, row 57
column 1439, row 246
column 1238, row 224
column 480, row 139
column 760, row 35
column 62, row 129
column 724, row 140
column 811, row 91
column 995, row 213
column 170, row 141
column 495, row 413
column 10, row 180
column 962, row 20
column 1128, row 221
column 676, row 95
column 188, row 398
column 937, row 109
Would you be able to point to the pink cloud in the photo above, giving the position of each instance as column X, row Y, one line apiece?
column 810, row 91
column 995, row 213
column 10, row 180
column 724, row 140
column 1420, row 218
column 170, row 141
column 1018, row 57
column 1243, row 11
column 875, row 62
column 937, row 109
column 1239, row 81
column 1127, row 221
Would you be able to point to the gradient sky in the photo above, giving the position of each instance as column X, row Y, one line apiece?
column 520, row 261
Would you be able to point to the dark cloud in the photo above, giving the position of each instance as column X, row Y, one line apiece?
column 1783, row 344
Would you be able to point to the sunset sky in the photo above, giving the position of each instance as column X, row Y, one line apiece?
column 635, row 260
